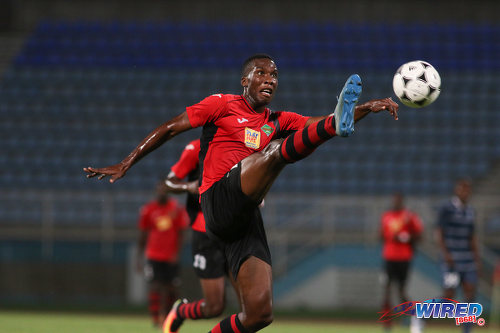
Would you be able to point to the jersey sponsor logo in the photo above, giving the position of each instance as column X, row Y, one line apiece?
column 267, row 129
column 252, row 138
column 242, row 120
column 163, row 223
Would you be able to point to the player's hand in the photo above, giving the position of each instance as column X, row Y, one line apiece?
column 115, row 172
column 384, row 104
column 403, row 237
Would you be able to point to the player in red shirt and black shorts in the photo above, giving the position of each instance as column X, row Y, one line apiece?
column 244, row 147
column 209, row 262
column 161, row 224
column 400, row 231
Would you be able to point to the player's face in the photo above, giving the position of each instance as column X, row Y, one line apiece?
column 462, row 190
column 161, row 191
column 398, row 201
column 261, row 82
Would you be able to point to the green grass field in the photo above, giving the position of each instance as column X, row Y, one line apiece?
column 54, row 322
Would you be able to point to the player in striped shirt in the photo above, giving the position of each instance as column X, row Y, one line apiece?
column 460, row 260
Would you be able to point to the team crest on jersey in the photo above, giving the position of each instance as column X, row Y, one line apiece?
column 267, row 129
column 163, row 223
column 252, row 138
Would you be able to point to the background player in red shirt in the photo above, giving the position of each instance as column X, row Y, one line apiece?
column 242, row 153
column 400, row 230
column 208, row 260
column 161, row 224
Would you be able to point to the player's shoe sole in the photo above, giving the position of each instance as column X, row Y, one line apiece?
column 173, row 321
column 344, row 111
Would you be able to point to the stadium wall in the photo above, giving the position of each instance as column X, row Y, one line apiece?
column 22, row 15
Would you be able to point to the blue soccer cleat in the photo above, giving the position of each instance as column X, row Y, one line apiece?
column 344, row 111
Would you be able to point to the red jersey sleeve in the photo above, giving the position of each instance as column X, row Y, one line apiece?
column 188, row 161
column 291, row 121
column 144, row 218
column 206, row 111
column 416, row 224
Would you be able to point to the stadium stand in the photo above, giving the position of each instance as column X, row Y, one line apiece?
column 85, row 93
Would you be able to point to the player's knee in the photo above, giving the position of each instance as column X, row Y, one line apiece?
column 272, row 151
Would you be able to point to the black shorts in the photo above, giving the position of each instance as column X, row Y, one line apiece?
column 397, row 270
column 208, row 259
column 234, row 222
column 161, row 271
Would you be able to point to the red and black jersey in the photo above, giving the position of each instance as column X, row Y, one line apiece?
column 163, row 223
column 394, row 225
column 188, row 166
column 232, row 130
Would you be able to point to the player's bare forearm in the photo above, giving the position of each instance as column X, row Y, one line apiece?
column 176, row 185
column 376, row 105
column 442, row 245
column 362, row 110
column 155, row 139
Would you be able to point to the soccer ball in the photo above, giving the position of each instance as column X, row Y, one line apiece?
column 417, row 84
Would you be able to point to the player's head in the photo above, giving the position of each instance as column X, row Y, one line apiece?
column 398, row 201
column 161, row 192
column 259, row 78
column 463, row 189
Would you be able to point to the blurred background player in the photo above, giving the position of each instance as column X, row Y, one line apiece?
column 161, row 226
column 208, row 260
column 459, row 251
column 400, row 231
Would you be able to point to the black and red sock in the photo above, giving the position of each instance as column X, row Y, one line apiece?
column 230, row 324
column 191, row 310
column 303, row 142
column 154, row 306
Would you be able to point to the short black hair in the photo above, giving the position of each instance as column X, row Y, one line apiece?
column 245, row 68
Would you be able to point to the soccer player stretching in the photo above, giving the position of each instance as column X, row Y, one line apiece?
column 241, row 155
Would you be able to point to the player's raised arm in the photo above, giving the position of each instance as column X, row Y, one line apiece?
column 374, row 105
column 155, row 139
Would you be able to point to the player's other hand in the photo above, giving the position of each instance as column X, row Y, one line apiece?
column 384, row 104
column 115, row 172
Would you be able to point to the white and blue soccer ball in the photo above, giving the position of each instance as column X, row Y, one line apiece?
column 417, row 84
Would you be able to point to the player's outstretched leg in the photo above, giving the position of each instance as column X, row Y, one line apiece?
column 259, row 170
column 344, row 111
column 341, row 123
